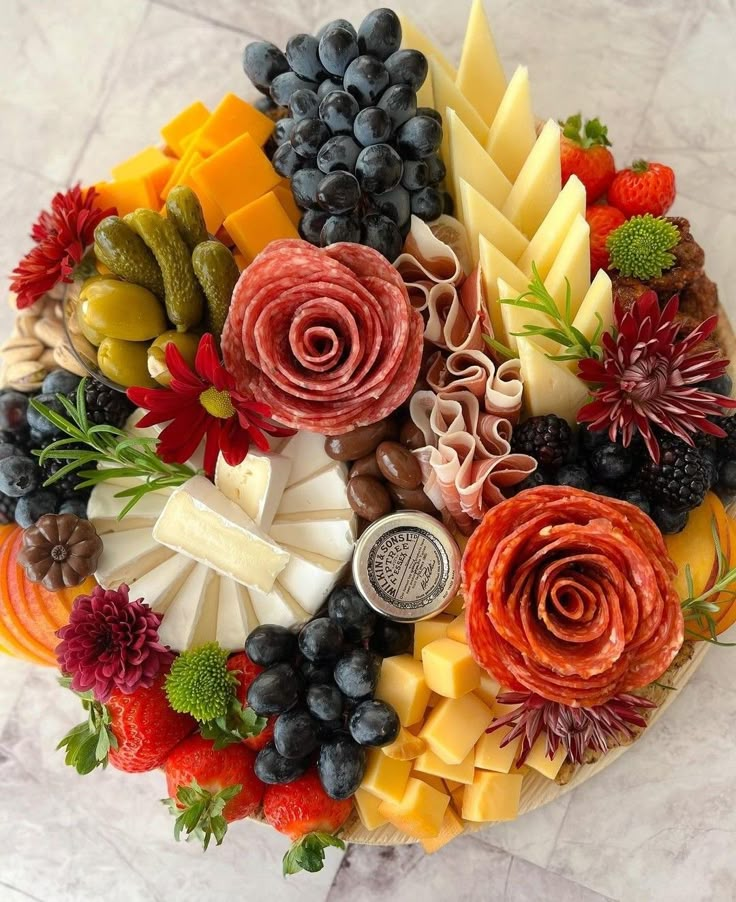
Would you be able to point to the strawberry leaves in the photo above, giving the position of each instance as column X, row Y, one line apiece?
column 237, row 724
column 88, row 744
column 199, row 812
column 593, row 134
column 308, row 853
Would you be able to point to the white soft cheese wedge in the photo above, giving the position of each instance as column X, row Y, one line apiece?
column 310, row 578
column 206, row 628
column 103, row 505
column 127, row 555
column 201, row 522
column 572, row 267
column 448, row 97
column 256, row 484
column 277, row 606
column 180, row 621
column 235, row 615
column 469, row 161
column 329, row 533
column 513, row 131
column 546, row 243
column 515, row 319
column 159, row 585
column 480, row 75
column 326, row 490
column 538, row 184
column 415, row 39
column 549, row 386
column 482, row 218
column 306, row 451
column 494, row 266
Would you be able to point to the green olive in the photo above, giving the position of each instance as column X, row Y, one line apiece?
column 186, row 342
column 121, row 310
column 124, row 362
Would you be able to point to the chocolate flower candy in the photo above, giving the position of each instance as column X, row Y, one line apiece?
column 326, row 337
column 60, row 551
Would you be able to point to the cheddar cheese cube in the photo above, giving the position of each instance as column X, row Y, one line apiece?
column 237, row 174
column 490, row 756
column 456, row 797
column 431, row 780
column 538, row 760
column 456, row 630
column 487, row 689
column 455, row 725
column 426, row 631
column 367, row 807
column 126, row 195
column 429, row 763
column 190, row 157
column 259, row 223
column 231, row 118
column 405, row 747
column 452, row 785
column 183, row 124
column 434, row 699
column 150, row 164
column 492, row 797
column 456, row 606
column 286, row 199
column 385, row 777
column 420, row 812
column 451, row 828
column 449, row 668
column 403, row 686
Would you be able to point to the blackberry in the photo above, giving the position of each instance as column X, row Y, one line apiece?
column 66, row 487
column 726, row 447
column 105, row 405
column 669, row 521
column 7, row 508
column 547, row 439
column 611, row 463
column 680, row 480
column 574, row 475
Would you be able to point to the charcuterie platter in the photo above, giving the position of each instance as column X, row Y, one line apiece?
column 366, row 449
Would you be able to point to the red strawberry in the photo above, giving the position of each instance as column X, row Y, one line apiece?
column 305, row 813
column 602, row 220
column 210, row 787
column 645, row 188
column 584, row 152
column 248, row 671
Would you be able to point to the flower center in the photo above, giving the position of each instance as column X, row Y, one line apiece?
column 217, row 403
column 59, row 553
column 645, row 379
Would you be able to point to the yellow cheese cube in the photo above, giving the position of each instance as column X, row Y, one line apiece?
column 449, row 668
column 456, row 606
column 537, row 758
column 434, row 699
column 457, row 795
column 150, row 164
column 490, row 756
column 487, row 689
column 230, row 119
column 367, row 807
column 405, row 747
column 499, row 709
column 189, row 158
column 403, row 686
column 429, row 763
column 455, row 725
column 286, row 199
column 385, row 777
column 456, row 630
column 427, row 631
column 126, row 195
column 432, row 781
column 492, row 797
column 452, row 785
column 183, row 124
column 258, row 224
column 451, row 828
column 237, row 174
column 420, row 812
column 240, row 260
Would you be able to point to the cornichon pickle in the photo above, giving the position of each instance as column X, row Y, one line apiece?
column 217, row 271
column 121, row 310
column 185, row 211
column 125, row 362
column 124, row 253
column 186, row 342
column 182, row 294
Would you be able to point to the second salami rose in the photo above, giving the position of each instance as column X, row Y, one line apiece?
column 570, row 595
column 326, row 337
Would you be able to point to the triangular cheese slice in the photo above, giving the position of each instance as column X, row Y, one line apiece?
column 515, row 319
column 310, row 578
column 547, row 241
column 483, row 218
column 235, row 615
column 494, row 266
column 538, row 184
column 598, row 302
column 549, row 386
column 513, row 132
column 182, row 615
column 159, row 585
column 128, row 555
column 572, row 267
column 415, row 39
column 448, row 97
column 206, row 630
column 480, row 75
column 469, row 161
column 277, row 606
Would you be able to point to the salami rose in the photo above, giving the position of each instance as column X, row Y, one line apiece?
column 326, row 337
column 570, row 595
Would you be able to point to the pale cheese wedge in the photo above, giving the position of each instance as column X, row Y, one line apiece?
column 494, row 266
column 515, row 319
column 256, row 484
column 206, row 629
column 468, row 161
column 513, row 132
column 159, row 585
column 180, row 621
column 448, row 97
column 571, row 267
column 310, row 577
column 127, row 555
column 415, row 39
column 325, row 490
column 544, row 247
column 549, row 386
column 598, row 302
column 483, row 218
column 104, row 506
column 541, row 763
column 277, row 606
column 480, row 75
column 306, row 451
column 235, row 615
column 329, row 533
column 538, row 184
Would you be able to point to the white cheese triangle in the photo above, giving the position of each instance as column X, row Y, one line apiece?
column 469, row 161
column 448, row 97
column 325, row 490
column 329, row 533
column 104, row 506
column 310, row 578
column 515, row 319
column 598, row 302
column 513, row 131
column 549, row 386
column 306, row 451
column 180, row 620
column 494, row 266
column 127, row 555
column 538, row 184
column 572, row 266
column 483, row 218
column 160, row 584
column 206, row 628
column 546, row 243
column 235, row 615
column 277, row 606
column 480, row 75
column 256, row 484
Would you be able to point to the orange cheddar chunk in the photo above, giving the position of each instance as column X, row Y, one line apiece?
column 213, row 215
column 231, row 118
column 258, row 224
column 183, row 124
column 189, row 158
column 451, row 827
column 126, row 195
column 236, row 175
column 240, row 260
column 150, row 164
column 286, row 199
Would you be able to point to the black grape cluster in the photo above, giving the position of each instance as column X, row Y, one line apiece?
column 362, row 158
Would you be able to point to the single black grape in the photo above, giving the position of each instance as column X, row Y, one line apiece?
column 307, row 136
column 374, row 723
column 669, row 521
column 283, row 129
column 325, row 702
column 311, row 225
column 419, row 137
column 427, row 204
column 378, row 168
column 356, row 673
column 295, row 734
column 338, row 47
column 340, row 228
column 275, row 690
column 400, row 102
column 415, row 175
column 18, row 476
column 320, row 640
column 338, row 154
column 272, row 768
column 431, row 112
column 14, row 411
column 303, row 104
column 611, row 463
column 436, row 170
column 262, row 63
column 341, row 765
column 407, row 67
column 366, row 79
column 304, row 185
column 372, row 126
column 284, row 85
column 574, row 475
column 347, row 607
column 316, row 671
column 338, row 111
column 382, row 234
column 38, row 422
column 339, row 192
column 270, row 644
column 302, row 54
column 396, row 204
column 60, row 382
column 286, row 161
column 34, row 505
column 380, row 33
column 338, row 23
column 328, row 86
column 390, row 638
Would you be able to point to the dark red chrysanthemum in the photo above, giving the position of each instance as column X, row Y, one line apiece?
column 649, row 377
column 204, row 402
column 62, row 234
column 111, row 643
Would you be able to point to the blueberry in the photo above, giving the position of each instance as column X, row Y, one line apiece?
column 18, row 476
column 338, row 47
column 320, row 640
column 307, row 136
column 9, row 450
column 304, row 185
column 284, row 85
column 347, row 607
column 338, row 154
column 61, row 382
column 340, row 228
column 382, row 234
column 338, row 111
column 302, row 54
column 286, row 161
column 638, row 499
column 378, row 168
column 415, row 175
column 275, row 690
column 400, row 103
column 356, row 673
column 611, row 463
column 372, row 126
column 38, row 422
column 13, row 411
column 407, row 67
column 419, row 137
column 303, row 104
column 295, row 734
column 270, row 644
column 7, row 509
column 574, row 475
column 436, row 170
column 380, row 33
column 311, row 225
column 325, row 701
column 669, row 521
column 708, row 456
column 532, row 481
column 341, row 765
column 272, row 768
column 34, row 505
column 262, row 63
column 427, row 204
column 374, row 723
column 390, row 638
column 590, row 440
column 727, row 475
column 76, row 506
column 366, row 79
column 339, row 192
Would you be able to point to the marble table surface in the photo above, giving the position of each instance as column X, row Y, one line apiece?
column 82, row 85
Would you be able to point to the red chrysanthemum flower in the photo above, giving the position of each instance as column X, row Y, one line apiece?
column 649, row 376
column 62, row 234
column 204, row 402
column 111, row 643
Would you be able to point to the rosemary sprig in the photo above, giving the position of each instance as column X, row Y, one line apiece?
column 578, row 346
column 698, row 609
column 110, row 453
column 499, row 347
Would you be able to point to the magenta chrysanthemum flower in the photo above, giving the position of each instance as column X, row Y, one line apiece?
column 111, row 643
